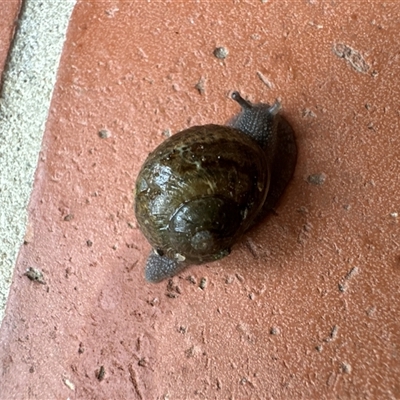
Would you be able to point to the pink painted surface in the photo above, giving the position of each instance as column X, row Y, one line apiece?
column 307, row 305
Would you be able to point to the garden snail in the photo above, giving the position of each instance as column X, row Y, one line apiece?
column 202, row 188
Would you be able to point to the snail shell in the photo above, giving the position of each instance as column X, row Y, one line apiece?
column 202, row 188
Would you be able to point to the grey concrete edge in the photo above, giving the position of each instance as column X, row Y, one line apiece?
column 28, row 81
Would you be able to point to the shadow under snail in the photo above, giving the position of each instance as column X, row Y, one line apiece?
column 201, row 189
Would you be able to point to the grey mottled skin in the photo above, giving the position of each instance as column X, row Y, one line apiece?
column 201, row 189
column 159, row 267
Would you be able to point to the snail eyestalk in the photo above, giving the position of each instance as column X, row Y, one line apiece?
column 242, row 102
column 275, row 108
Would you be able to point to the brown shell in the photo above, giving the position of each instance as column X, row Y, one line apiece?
column 200, row 190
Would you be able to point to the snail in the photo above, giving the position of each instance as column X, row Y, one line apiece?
column 201, row 189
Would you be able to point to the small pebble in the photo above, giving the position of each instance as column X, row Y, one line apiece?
column 154, row 302
column 274, row 331
column 81, row 348
column 35, row 274
column 143, row 362
column 203, row 283
column 346, row 368
column 200, row 86
column 182, row 329
column 192, row 279
column 70, row 385
column 101, row 373
column 69, row 217
column 167, row 132
column 316, row 179
column 240, row 278
column 221, row 52
column 104, row 133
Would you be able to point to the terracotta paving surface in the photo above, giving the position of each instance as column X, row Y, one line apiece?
column 307, row 305
column 9, row 14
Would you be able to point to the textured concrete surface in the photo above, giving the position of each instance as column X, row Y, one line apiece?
column 28, row 83
column 307, row 305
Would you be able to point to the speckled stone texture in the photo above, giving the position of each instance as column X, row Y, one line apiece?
column 9, row 12
column 307, row 305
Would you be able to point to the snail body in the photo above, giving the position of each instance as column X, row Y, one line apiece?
column 201, row 189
